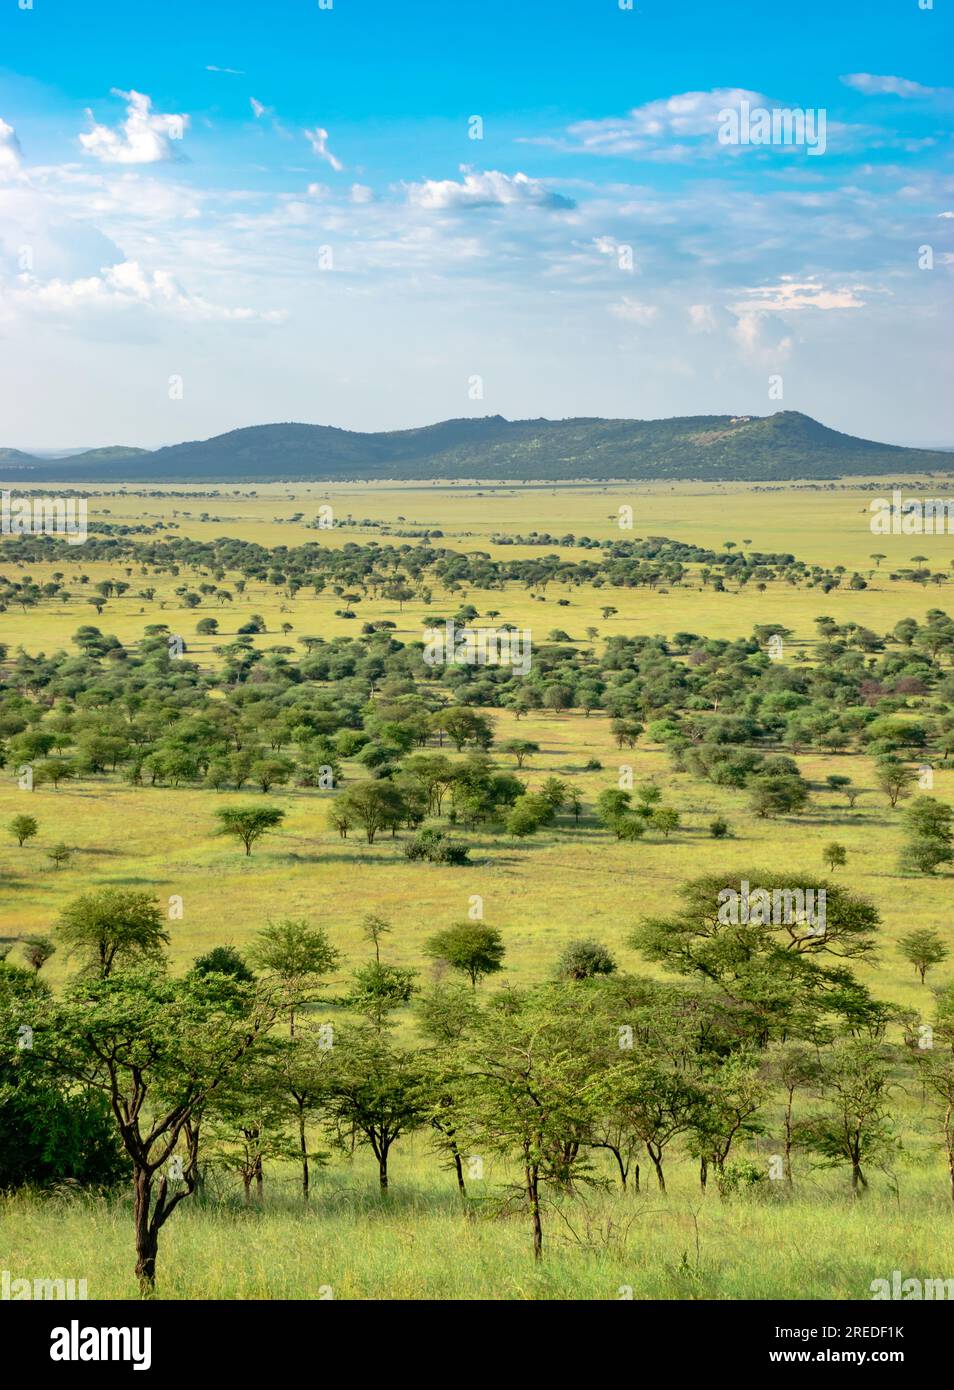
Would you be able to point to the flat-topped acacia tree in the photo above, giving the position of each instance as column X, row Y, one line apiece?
column 248, row 823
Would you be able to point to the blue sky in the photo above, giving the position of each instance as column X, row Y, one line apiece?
column 282, row 207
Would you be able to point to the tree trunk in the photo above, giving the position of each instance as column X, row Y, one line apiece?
column 657, row 1164
column 383, row 1171
column 533, row 1192
column 458, row 1169
column 147, row 1244
column 703, row 1172
column 304, row 1153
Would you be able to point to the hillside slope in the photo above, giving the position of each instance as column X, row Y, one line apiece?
column 714, row 447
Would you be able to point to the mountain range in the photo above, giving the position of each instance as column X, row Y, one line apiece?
column 786, row 445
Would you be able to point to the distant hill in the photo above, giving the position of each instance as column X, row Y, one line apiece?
column 710, row 447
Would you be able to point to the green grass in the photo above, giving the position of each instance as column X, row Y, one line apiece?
column 565, row 883
column 420, row 1243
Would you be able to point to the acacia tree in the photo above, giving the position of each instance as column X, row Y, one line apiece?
column 374, row 805
column 158, row 1049
column 113, row 928
column 652, row 1103
column 473, row 948
column 248, row 823
column 522, row 1095
column 303, row 1072
column 731, row 930
column 923, row 949
column 376, row 1093
column 23, row 828
column 296, row 955
column 246, row 1119
column 447, row 1013
column 854, row 1126
column 793, row 1067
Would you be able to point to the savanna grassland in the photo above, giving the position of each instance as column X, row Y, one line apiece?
column 569, row 880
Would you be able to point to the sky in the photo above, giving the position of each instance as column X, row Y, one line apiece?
column 381, row 213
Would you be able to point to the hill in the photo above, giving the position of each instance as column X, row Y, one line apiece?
column 710, row 447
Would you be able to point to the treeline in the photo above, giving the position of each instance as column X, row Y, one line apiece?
column 762, row 1057
column 373, row 569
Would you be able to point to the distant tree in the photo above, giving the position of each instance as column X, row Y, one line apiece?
column 59, row 855
column 38, row 950
column 521, row 748
column 23, row 828
column 582, row 960
column 523, row 818
column 248, row 823
column 473, row 948
column 224, row 960
column 923, row 949
column 893, row 778
column 374, row 805
column 835, row 855
column 666, row 819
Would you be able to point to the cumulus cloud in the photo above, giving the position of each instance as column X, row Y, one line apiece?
column 791, row 294
column 11, row 156
column 145, row 137
column 318, row 139
column 753, row 335
column 127, row 285
column 484, row 190
column 872, row 85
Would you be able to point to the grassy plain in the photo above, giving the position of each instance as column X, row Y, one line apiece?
column 559, row 885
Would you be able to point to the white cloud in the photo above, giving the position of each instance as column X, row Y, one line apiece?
column 790, row 294
column 127, row 285
column 483, row 190
column 671, row 119
column 145, row 137
column 319, row 144
column 946, row 214
column 633, row 312
column 888, row 86
column 233, row 72
column 701, row 318
column 11, row 156
column 750, row 333
column 361, row 193
column 257, row 107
